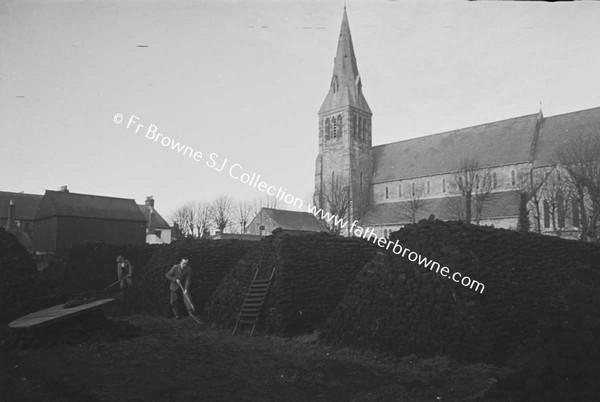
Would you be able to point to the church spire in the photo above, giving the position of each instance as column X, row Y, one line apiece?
column 346, row 86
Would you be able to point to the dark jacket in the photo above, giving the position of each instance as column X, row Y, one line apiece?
column 179, row 273
column 125, row 270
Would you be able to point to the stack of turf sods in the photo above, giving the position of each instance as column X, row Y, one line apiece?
column 20, row 284
column 92, row 266
column 312, row 272
column 210, row 261
column 526, row 308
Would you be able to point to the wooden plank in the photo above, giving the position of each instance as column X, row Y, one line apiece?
column 57, row 313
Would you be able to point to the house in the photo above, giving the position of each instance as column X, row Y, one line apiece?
column 64, row 218
column 18, row 210
column 158, row 231
column 269, row 219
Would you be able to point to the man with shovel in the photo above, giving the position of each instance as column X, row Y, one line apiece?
column 125, row 274
column 179, row 274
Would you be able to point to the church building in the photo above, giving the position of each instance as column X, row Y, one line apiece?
column 391, row 185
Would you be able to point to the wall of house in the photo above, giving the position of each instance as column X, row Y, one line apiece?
column 45, row 235
column 264, row 220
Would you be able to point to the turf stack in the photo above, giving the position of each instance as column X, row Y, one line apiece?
column 527, row 306
column 91, row 266
column 19, row 281
column 312, row 272
column 210, row 261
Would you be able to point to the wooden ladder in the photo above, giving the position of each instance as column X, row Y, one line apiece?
column 253, row 303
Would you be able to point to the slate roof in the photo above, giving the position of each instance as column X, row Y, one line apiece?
column 159, row 221
column 26, row 205
column 62, row 203
column 557, row 130
column 294, row 220
column 504, row 204
column 498, row 143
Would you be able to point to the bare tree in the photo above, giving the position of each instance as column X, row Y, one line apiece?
column 183, row 217
column 415, row 202
column 265, row 202
column 221, row 212
column 580, row 158
column 202, row 217
column 464, row 183
column 530, row 190
column 335, row 200
column 482, row 192
column 554, row 193
column 243, row 215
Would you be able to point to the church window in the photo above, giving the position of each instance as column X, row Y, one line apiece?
column 327, row 129
column 443, row 185
column 428, row 187
column 575, row 212
column 494, row 180
column 364, row 130
column 361, row 180
column 339, row 124
column 546, row 214
column 477, row 181
column 334, row 128
column 413, row 189
column 332, row 178
column 560, row 200
column 360, row 128
column 399, row 190
column 385, row 233
column 513, row 179
column 355, row 127
column 460, row 182
column 334, row 84
column 387, row 193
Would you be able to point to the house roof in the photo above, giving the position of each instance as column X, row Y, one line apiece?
column 63, row 203
column 504, row 204
column 159, row 221
column 293, row 220
column 495, row 144
column 557, row 130
column 26, row 205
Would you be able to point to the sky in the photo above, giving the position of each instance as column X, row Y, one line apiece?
column 245, row 80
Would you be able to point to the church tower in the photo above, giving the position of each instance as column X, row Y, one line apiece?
column 344, row 159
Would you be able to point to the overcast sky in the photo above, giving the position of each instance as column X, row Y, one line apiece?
column 245, row 80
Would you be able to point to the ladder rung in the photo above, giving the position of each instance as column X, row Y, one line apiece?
column 242, row 321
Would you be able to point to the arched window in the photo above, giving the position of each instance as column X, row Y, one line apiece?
column 385, row 233
column 428, row 187
column 355, row 127
column 575, row 212
column 546, row 214
column 399, row 190
column 327, row 129
column 477, row 181
column 332, row 178
column 387, row 193
column 364, row 129
column 443, row 185
column 513, row 178
column 413, row 189
column 494, row 180
column 339, row 124
column 360, row 128
column 334, row 127
column 361, row 180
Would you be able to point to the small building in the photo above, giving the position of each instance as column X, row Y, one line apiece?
column 269, row 219
column 158, row 231
column 64, row 218
column 17, row 210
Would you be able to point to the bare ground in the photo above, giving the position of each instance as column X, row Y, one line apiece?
column 178, row 360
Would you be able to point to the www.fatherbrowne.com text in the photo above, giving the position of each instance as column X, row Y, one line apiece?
column 236, row 172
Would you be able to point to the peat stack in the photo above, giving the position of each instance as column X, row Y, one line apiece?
column 312, row 272
column 210, row 261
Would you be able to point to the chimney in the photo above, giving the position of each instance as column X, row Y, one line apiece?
column 64, row 189
column 150, row 201
column 151, row 222
column 10, row 219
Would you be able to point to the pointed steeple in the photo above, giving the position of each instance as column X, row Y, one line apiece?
column 346, row 86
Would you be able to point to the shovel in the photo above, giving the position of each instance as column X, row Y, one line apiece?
column 188, row 303
column 111, row 285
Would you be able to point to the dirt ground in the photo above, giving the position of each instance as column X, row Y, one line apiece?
column 179, row 360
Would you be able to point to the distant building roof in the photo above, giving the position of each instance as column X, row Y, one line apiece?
column 238, row 236
column 26, row 205
column 557, row 130
column 159, row 222
column 64, row 203
column 500, row 205
column 294, row 220
column 495, row 144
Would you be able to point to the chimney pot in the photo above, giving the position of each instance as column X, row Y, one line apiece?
column 150, row 201
column 64, row 189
